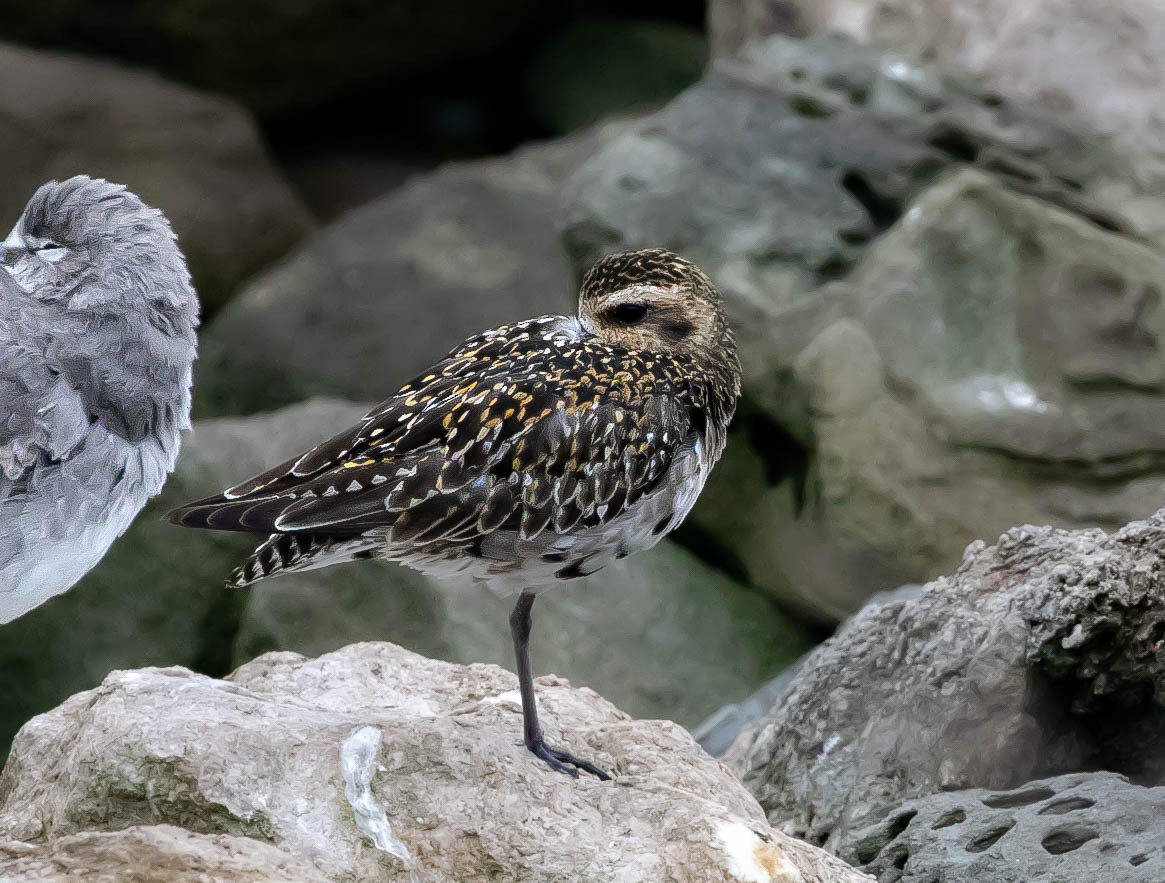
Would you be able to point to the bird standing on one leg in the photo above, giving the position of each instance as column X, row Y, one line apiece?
column 97, row 343
column 536, row 452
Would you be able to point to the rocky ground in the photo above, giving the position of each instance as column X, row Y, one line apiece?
column 940, row 231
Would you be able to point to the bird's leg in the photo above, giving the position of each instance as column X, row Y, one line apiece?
column 559, row 760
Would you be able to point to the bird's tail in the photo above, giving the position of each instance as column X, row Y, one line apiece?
column 293, row 553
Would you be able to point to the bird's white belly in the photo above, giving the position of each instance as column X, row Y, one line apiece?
column 59, row 531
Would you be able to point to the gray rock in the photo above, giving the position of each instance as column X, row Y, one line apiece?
column 1040, row 656
column 662, row 633
column 922, row 343
column 197, row 157
column 375, row 763
column 1098, row 65
column 775, row 173
column 1069, row 829
column 720, row 730
column 382, row 292
column 151, row 854
column 734, row 25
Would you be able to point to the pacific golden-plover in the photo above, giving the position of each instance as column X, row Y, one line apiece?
column 536, row 452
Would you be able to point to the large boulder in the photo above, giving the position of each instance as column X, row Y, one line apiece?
column 1098, row 64
column 895, row 244
column 152, row 854
column 197, row 157
column 1077, row 828
column 1041, row 655
column 382, row 292
column 689, row 638
column 376, row 763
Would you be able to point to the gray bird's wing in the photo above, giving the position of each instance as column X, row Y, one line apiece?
column 42, row 417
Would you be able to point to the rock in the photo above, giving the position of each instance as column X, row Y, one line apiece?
column 869, row 271
column 720, row 730
column 1069, row 829
column 152, row 854
column 1098, row 65
column 290, row 57
column 197, row 157
column 382, row 292
column 734, row 25
column 1040, row 656
column 375, row 763
column 335, row 180
column 594, row 68
column 688, row 638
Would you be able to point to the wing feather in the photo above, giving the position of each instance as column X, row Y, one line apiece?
column 516, row 429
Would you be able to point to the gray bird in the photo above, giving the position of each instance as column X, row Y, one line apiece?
column 97, row 343
column 533, row 453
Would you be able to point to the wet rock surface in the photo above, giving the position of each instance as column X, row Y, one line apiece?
column 197, row 157
column 1081, row 827
column 1039, row 656
column 373, row 762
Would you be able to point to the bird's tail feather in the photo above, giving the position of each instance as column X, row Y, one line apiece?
column 293, row 553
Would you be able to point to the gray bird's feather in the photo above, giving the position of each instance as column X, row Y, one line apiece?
column 97, row 342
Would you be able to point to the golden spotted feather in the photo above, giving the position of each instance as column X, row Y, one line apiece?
column 530, row 427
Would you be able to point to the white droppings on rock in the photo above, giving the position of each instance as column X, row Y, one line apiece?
column 358, row 764
column 751, row 858
column 510, row 697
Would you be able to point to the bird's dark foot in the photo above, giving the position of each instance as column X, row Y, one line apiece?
column 564, row 762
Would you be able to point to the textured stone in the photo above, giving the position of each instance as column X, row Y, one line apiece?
column 196, row 157
column 1040, row 656
column 733, row 25
column 375, row 763
column 931, row 352
column 1098, row 65
column 688, row 638
column 151, row 854
column 1070, row 829
column 388, row 288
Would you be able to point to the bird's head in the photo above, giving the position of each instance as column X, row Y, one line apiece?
column 656, row 301
column 93, row 247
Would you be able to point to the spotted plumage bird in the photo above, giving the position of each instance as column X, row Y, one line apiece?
column 533, row 453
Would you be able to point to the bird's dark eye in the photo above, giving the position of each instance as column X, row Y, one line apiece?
column 627, row 314
column 47, row 245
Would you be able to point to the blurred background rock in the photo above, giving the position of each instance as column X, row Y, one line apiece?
column 939, row 229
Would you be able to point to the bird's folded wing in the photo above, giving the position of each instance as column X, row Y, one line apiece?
column 42, row 417
column 496, row 435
